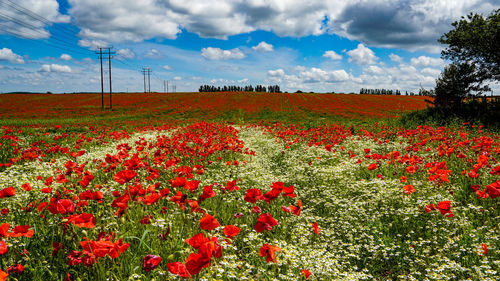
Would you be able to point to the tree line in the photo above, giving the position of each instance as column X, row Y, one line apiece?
column 232, row 88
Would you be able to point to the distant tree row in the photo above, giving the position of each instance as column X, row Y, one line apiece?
column 364, row 91
column 249, row 88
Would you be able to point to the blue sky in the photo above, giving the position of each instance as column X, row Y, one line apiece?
column 322, row 46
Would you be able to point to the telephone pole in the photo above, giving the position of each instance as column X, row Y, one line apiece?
column 102, row 83
column 147, row 70
column 110, row 89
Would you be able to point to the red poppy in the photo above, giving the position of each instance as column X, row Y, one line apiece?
column 17, row 269
column 429, row 208
column 315, row 228
column 3, row 275
column 208, row 192
column 7, row 192
column 372, row 166
column 178, row 268
column 180, row 199
column 5, row 211
column 265, row 222
column 151, row 262
column 3, row 247
column 208, row 222
column 230, row 231
column 82, row 220
column 409, row 189
column 252, row 195
column 197, row 240
column 288, row 191
column 256, row 210
column 494, row 189
column 484, row 247
column 269, row 251
column 306, row 273
column 56, row 246
column 194, row 263
column 444, row 208
column 296, row 209
column 151, row 199
column 178, row 182
column 192, row 185
column 124, row 176
column 27, row 186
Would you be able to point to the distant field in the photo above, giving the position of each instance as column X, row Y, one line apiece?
column 215, row 106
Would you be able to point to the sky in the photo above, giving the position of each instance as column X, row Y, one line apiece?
column 308, row 45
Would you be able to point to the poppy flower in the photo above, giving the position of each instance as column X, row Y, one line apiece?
column 17, row 269
column 494, row 189
column 7, row 192
column 429, row 208
column 5, row 211
column 484, row 247
column 56, row 246
column 265, row 222
column 315, row 228
column 194, row 263
column 409, row 189
column 444, row 208
column 372, row 166
column 192, row 185
column 82, row 220
column 208, row 222
column 124, row 176
column 27, row 186
column 296, row 209
column 3, row 247
column 151, row 262
column 22, row 230
column 252, row 195
column 306, row 273
column 208, row 192
column 179, row 269
column 256, row 210
column 3, row 275
column 269, row 251
column 197, row 240
column 151, row 199
column 230, row 231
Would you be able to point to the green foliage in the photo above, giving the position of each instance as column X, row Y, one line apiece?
column 454, row 84
column 476, row 40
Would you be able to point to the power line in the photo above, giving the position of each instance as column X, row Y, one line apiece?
column 147, row 70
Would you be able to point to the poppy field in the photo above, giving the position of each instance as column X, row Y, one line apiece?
column 193, row 198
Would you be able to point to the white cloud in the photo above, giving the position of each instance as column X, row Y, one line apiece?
column 65, row 57
column 431, row 71
column 31, row 27
column 362, row 55
column 167, row 67
column 426, row 61
column 332, row 55
column 8, row 55
column 276, row 73
column 93, row 44
column 125, row 53
column 219, row 54
column 55, row 68
column 319, row 75
column 244, row 80
column 395, row 58
column 263, row 46
column 375, row 70
column 153, row 54
column 177, row 78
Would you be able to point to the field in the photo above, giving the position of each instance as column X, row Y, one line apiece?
column 232, row 186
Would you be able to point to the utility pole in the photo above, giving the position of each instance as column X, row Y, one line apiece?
column 149, row 79
column 102, row 83
column 147, row 70
column 167, row 86
column 164, row 87
column 110, row 89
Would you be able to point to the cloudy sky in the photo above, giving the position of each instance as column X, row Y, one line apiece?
column 311, row 45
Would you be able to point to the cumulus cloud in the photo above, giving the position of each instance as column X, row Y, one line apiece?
column 125, row 54
column 431, row 71
column 93, row 44
column 177, row 78
column 426, row 61
column 6, row 54
column 408, row 24
column 395, row 58
column 332, row 55
column 153, row 54
column 15, row 12
column 65, row 57
column 263, row 46
column 55, row 68
column 167, row 67
column 219, row 54
column 362, row 55
column 244, row 80
column 276, row 73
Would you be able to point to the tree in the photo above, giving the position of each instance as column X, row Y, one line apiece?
column 454, row 84
column 475, row 40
